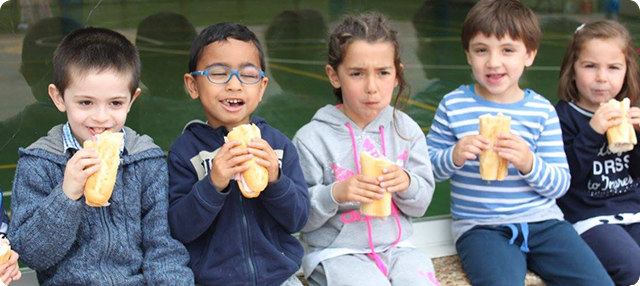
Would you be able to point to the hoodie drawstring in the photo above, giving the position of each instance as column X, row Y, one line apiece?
column 394, row 210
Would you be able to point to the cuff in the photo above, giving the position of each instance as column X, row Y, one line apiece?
column 412, row 190
column 208, row 194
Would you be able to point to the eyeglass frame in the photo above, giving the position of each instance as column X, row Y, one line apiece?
column 232, row 73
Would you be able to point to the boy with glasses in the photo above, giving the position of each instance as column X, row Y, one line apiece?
column 233, row 240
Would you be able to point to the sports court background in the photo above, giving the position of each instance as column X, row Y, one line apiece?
column 293, row 34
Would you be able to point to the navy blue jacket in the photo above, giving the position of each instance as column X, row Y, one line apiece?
column 602, row 182
column 233, row 240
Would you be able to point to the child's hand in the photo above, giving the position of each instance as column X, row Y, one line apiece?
column 10, row 271
column 468, row 148
column 634, row 118
column 605, row 117
column 358, row 188
column 515, row 150
column 266, row 157
column 395, row 179
column 83, row 164
column 227, row 163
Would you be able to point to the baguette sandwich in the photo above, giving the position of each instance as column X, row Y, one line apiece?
column 492, row 167
column 372, row 167
column 255, row 179
column 99, row 186
column 621, row 137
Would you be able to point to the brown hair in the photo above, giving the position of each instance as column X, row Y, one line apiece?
column 369, row 27
column 502, row 18
column 603, row 30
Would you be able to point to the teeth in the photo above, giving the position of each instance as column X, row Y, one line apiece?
column 233, row 101
column 98, row 130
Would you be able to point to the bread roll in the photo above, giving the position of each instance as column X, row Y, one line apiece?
column 372, row 167
column 5, row 250
column 492, row 167
column 621, row 137
column 255, row 179
column 99, row 186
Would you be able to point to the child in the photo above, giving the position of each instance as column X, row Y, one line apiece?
column 603, row 202
column 502, row 227
column 9, row 271
column 345, row 246
column 233, row 240
column 64, row 240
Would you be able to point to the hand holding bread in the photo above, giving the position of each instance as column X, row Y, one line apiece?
column 255, row 178
column 374, row 168
column 469, row 148
column 99, row 185
column 82, row 164
column 622, row 136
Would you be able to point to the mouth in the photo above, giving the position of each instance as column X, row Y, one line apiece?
column 232, row 104
column 494, row 77
column 97, row 130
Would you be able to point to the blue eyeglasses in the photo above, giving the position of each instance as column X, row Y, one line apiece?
column 222, row 74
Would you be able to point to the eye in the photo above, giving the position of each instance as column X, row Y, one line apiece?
column 117, row 103
column 589, row 66
column 84, row 102
column 480, row 50
column 385, row 73
column 355, row 74
column 509, row 50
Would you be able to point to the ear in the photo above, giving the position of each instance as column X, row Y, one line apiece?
column 333, row 76
column 398, row 72
column 263, row 87
column 57, row 97
column 133, row 98
column 531, row 56
column 190, row 84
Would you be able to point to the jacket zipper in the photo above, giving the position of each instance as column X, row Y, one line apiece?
column 106, row 227
column 248, row 245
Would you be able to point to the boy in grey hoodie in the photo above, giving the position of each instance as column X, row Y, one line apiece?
column 67, row 242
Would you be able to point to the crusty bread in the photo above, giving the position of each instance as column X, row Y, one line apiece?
column 492, row 167
column 255, row 179
column 5, row 250
column 621, row 137
column 98, row 188
column 372, row 167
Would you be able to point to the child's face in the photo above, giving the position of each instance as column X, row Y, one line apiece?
column 497, row 65
column 95, row 102
column 229, row 104
column 367, row 77
column 599, row 72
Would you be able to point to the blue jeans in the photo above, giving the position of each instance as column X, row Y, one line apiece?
column 552, row 249
column 617, row 248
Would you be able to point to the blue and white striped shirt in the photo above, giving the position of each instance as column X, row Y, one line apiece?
column 70, row 142
column 535, row 120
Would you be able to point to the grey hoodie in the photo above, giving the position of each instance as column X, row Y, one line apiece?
column 327, row 156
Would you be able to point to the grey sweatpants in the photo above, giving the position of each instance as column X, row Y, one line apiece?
column 405, row 266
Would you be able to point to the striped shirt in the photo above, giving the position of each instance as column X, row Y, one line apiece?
column 70, row 142
column 534, row 119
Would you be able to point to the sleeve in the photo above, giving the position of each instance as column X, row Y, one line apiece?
column 165, row 259
column 581, row 145
column 287, row 199
column 441, row 142
column 44, row 220
column 323, row 205
column 634, row 160
column 4, row 218
column 193, row 204
column 415, row 200
column 549, row 175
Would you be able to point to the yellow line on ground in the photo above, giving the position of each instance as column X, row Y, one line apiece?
column 9, row 166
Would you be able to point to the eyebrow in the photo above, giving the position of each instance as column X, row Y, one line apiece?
column 227, row 64
column 361, row 68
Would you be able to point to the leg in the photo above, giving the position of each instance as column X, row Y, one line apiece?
column 410, row 267
column 561, row 257
column 617, row 250
column 489, row 259
column 348, row 270
column 292, row 281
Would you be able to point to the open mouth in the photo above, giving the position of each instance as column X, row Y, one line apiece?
column 233, row 102
column 495, row 77
column 97, row 130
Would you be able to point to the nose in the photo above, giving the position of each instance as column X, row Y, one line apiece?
column 370, row 85
column 601, row 75
column 493, row 60
column 101, row 114
column 234, row 83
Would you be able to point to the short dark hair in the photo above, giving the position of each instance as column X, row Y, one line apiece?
column 221, row 32
column 95, row 48
column 502, row 18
